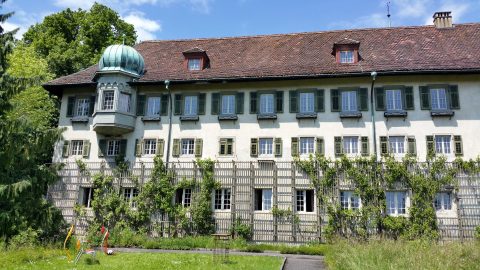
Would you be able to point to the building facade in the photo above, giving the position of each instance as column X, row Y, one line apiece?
column 277, row 97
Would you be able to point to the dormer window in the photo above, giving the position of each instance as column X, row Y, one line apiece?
column 346, row 57
column 194, row 64
column 196, row 59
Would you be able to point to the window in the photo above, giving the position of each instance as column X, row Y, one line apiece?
column 266, row 147
column 397, row 144
column 307, row 146
column 228, row 104
column 124, row 102
column 83, row 106
column 186, row 197
column 349, row 101
column 222, row 199
column 108, row 98
column 349, row 200
column 394, row 100
column 307, row 102
column 263, row 199
column 443, row 201
column 305, row 200
column 266, row 104
column 442, row 144
column 129, row 195
column 153, row 106
column 188, row 146
column 87, row 196
column 194, row 64
column 150, row 147
column 396, row 202
column 77, row 148
column 438, row 99
column 226, row 147
column 113, row 147
column 350, row 145
column 191, row 106
column 346, row 57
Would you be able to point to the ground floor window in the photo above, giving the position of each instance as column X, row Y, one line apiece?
column 86, row 196
column 222, row 199
column 129, row 195
column 350, row 145
column 188, row 146
column 149, row 147
column 349, row 200
column 113, row 147
column 396, row 202
column 263, row 199
column 305, row 200
column 443, row 201
column 184, row 197
column 77, row 148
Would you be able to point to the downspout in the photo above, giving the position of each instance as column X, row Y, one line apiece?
column 169, row 139
column 374, row 131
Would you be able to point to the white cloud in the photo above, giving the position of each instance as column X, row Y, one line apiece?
column 202, row 6
column 74, row 4
column 410, row 8
column 7, row 27
column 369, row 21
column 145, row 27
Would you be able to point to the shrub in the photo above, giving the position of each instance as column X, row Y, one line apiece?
column 27, row 238
column 241, row 230
column 477, row 233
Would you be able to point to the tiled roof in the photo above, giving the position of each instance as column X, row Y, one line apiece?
column 303, row 55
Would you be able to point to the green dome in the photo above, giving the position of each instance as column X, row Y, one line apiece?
column 121, row 58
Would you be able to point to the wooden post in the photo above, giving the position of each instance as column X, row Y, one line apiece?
column 459, row 218
column 252, row 199
column 275, row 201
column 233, row 194
column 294, row 208
column 317, row 208
column 142, row 174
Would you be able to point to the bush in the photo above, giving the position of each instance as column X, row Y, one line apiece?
column 477, row 233
column 126, row 237
column 305, row 250
column 27, row 238
column 241, row 230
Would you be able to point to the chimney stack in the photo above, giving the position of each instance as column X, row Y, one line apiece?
column 443, row 19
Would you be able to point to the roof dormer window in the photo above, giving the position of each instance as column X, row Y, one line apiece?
column 346, row 57
column 196, row 59
column 346, row 51
column 194, row 64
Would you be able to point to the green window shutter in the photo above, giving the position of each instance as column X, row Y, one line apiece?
column 294, row 147
column 102, row 148
column 253, row 103
column 278, row 147
column 254, row 147
column 66, row 149
column 138, row 147
column 141, row 104
column 123, row 148
column 335, row 100
column 379, row 98
column 71, row 106
column 363, row 99
column 320, row 100
column 338, row 146
column 384, row 145
column 202, row 100
column 279, row 101
column 365, row 151
column 412, row 146
column 215, row 104
column 178, row 104
column 86, row 148
column 164, row 100
column 424, row 98
column 457, row 140
column 91, row 106
column 198, row 147
column 176, row 148
column 430, row 146
column 320, row 146
column 293, row 96
column 408, row 98
column 454, row 97
column 239, row 102
column 160, row 147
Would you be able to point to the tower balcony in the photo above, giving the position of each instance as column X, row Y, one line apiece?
column 113, row 123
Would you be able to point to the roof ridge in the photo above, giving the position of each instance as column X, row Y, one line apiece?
column 298, row 33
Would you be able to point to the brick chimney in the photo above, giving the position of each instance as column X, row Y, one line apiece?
column 443, row 19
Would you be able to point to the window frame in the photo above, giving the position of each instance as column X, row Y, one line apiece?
column 228, row 142
column 433, row 89
column 223, row 198
column 396, row 203
column 266, row 155
column 312, row 93
column 398, row 93
column 116, row 148
column 132, row 194
column 121, row 104
column 184, row 197
column 303, row 194
column 353, row 201
column 353, row 139
column 188, row 154
column 104, row 100
column 264, row 200
column 184, row 105
column 442, row 196
column 300, row 146
column 354, row 92
column 192, row 60
column 79, row 146
column 147, row 107
column 86, row 110
column 342, row 58
column 273, row 102
column 398, row 139
column 151, row 151
column 234, row 104
column 442, row 144
column 87, row 202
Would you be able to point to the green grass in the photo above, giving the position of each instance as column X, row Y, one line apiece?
column 403, row 255
column 44, row 258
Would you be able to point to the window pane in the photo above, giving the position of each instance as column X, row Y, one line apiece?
column 266, row 146
column 439, row 99
column 108, row 98
column 442, row 144
column 187, row 196
column 267, row 199
column 188, row 146
column 306, row 102
column 344, row 195
column 191, row 105
column 83, row 106
column 394, row 100
column 266, row 103
column 350, row 145
column 300, row 200
column 228, row 104
column 346, row 57
column 153, row 106
column 113, row 147
column 397, row 144
column 307, row 145
column 226, row 199
column 194, row 64
column 349, row 101
column 150, row 147
column 218, row 199
column 124, row 102
column 390, row 203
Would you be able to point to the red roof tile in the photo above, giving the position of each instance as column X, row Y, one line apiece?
column 402, row 49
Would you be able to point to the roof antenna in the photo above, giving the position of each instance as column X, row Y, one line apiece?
column 388, row 14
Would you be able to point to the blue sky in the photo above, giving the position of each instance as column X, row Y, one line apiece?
column 179, row 19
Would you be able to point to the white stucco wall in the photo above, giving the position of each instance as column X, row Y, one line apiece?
column 419, row 123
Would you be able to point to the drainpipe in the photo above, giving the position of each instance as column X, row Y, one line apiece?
column 374, row 76
column 167, row 84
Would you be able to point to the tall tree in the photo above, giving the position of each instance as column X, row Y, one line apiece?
column 74, row 40
column 24, row 178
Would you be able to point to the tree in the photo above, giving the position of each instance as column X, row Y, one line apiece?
column 24, row 178
column 74, row 40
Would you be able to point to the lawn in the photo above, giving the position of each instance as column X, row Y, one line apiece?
column 42, row 258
